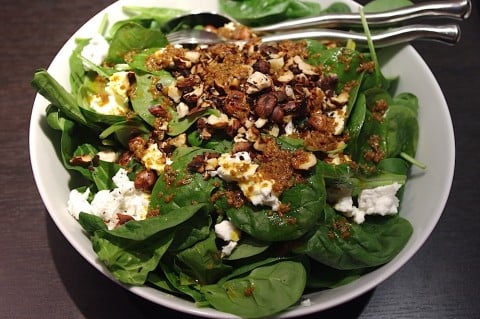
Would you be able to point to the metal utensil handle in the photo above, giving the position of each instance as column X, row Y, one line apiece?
column 448, row 34
column 455, row 9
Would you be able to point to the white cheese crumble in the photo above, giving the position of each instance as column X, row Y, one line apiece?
column 114, row 101
column 226, row 231
column 381, row 200
column 95, row 51
column 236, row 168
column 239, row 168
column 124, row 199
column 154, row 159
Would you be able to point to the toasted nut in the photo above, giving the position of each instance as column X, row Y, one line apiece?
column 197, row 164
column 125, row 158
column 260, row 145
column 218, row 121
column 252, row 134
column 123, row 218
column 318, row 122
column 286, row 77
column 158, row 111
column 174, row 93
column 303, row 66
column 261, row 66
column 211, row 164
column 276, row 64
column 304, row 160
column 108, row 156
column 291, row 107
column 145, row 180
column 137, row 145
column 340, row 99
column 259, row 123
column 257, row 82
column 241, row 147
column 233, row 127
column 179, row 140
column 193, row 96
column 235, row 105
column 265, row 105
column 192, row 56
column 81, row 160
column 277, row 115
column 182, row 110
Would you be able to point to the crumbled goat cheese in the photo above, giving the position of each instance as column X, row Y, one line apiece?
column 95, row 51
column 154, row 159
column 114, row 101
column 260, row 192
column 236, row 168
column 226, row 231
column 123, row 199
column 380, row 200
column 239, row 168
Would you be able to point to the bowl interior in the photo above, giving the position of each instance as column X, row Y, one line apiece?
column 424, row 199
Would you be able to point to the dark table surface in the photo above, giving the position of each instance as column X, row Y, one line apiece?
column 42, row 276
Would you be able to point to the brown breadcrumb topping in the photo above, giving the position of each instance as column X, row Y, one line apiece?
column 375, row 154
column 259, row 91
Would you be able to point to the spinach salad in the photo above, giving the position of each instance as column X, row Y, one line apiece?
column 237, row 176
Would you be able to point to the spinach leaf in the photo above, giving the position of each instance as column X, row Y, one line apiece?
column 263, row 292
column 321, row 276
column 135, row 248
column 91, row 223
column 385, row 5
column 143, row 98
column 178, row 125
column 149, row 17
column 255, row 13
column 192, row 231
column 180, row 188
column 133, row 37
column 251, row 12
column 355, row 124
column 174, row 283
column 130, row 261
column 202, row 261
column 53, row 91
column 157, row 14
column 77, row 70
column 123, row 130
column 139, row 62
column 306, row 201
column 343, row 62
column 76, row 140
column 403, row 130
column 340, row 244
column 397, row 130
column 247, row 247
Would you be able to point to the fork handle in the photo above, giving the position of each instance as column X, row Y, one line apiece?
column 447, row 34
column 455, row 9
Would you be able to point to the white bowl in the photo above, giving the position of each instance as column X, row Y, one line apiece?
column 424, row 199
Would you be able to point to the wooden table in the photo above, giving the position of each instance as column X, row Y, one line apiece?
column 42, row 276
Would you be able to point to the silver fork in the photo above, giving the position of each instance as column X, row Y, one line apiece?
column 447, row 34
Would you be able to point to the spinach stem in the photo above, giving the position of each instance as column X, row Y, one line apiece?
column 412, row 160
column 371, row 46
column 103, row 25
